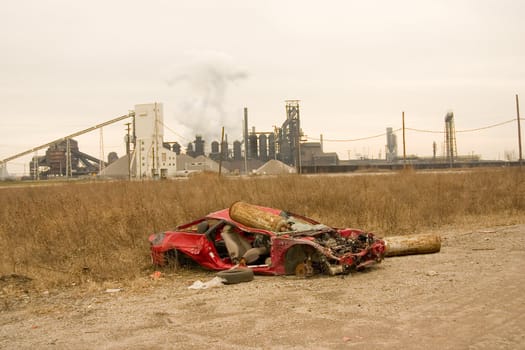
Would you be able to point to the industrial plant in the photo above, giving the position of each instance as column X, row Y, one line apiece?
column 150, row 155
column 283, row 149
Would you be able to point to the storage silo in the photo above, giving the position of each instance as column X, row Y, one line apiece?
column 112, row 156
column 237, row 150
column 253, row 146
column 271, row 146
column 199, row 146
column 263, row 147
column 215, row 147
column 391, row 145
column 176, row 148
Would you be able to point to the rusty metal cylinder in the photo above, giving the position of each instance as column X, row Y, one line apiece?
column 412, row 244
column 254, row 216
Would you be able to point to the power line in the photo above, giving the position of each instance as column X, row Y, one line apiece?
column 352, row 140
column 416, row 130
column 174, row 132
column 427, row 131
column 466, row 130
column 488, row 127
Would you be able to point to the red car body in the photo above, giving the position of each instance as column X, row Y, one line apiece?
column 310, row 248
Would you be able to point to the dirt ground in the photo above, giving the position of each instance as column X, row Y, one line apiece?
column 471, row 295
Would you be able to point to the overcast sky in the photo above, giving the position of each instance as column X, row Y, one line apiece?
column 354, row 65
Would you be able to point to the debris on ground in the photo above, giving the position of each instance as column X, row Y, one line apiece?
column 236, row 275
column 156, row 275
column 412, row 244
column 214, row 282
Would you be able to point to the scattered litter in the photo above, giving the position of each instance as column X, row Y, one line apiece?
column 156, row 275
column 347, row 339
column 113, row 290
column 432, row 273
column 214, row 282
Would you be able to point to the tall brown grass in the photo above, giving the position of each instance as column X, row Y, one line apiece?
column 97, row 231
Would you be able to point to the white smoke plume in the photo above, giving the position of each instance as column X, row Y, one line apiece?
column 201, row 86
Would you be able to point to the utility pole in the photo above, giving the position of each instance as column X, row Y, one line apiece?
column 404, row 145
column 519, row 129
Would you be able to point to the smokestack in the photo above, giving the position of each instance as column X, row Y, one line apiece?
column 245, row 132
column 246, row 140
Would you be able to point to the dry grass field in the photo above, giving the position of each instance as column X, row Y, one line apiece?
column 73, row 233
column 75, row 268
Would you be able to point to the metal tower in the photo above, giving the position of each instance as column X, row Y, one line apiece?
column 289, row 140
column 450, row 138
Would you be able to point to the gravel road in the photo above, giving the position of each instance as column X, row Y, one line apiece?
column 471, row 295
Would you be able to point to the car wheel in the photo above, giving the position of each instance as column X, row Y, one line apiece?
column 298, row 260
column 236, row 275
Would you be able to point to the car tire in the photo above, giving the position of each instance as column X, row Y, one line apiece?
column 236, row 275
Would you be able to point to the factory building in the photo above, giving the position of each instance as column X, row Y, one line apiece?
column 283, row 144
column 64, row 158
column 312, row 155
column 149, row 156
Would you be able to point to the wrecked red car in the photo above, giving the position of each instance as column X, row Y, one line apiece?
column 291, row 243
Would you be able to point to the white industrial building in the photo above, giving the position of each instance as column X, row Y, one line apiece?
column 3, row 171
column 148, row 159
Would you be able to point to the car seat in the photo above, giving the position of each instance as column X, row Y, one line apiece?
column 202, row 227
